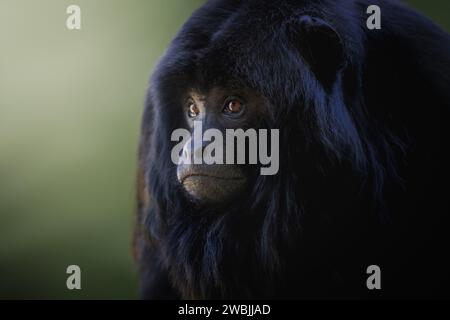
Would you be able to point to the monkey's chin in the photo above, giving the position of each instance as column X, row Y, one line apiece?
column 213, row 190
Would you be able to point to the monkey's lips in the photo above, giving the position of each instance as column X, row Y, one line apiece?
column 211, row 183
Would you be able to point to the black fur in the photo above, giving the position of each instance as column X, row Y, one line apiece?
column 363, row 162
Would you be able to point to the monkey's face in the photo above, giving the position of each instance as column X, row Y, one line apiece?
column 212, row 168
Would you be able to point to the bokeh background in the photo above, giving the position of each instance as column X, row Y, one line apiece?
column 70, row 106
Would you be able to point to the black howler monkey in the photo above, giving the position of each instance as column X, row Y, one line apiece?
column 363, row 171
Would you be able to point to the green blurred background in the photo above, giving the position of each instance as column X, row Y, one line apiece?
column 70, row 106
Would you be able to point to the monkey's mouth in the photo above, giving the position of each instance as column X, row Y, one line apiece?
column 211, row 183
column 206, row 176
column 219, row 172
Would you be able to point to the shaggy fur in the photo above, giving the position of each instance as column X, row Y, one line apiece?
column 363, row 167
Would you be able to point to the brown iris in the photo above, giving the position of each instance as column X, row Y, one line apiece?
column 193, row 110
column 233, row 106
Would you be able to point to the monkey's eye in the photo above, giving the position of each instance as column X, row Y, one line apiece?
column 193, row 110
column 233, row 106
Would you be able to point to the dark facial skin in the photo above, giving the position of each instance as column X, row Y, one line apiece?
column 221, row 109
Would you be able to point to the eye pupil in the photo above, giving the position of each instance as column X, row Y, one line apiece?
column 234, row 106
column 193, row 110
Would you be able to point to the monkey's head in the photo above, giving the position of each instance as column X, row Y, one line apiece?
column 283, row 81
